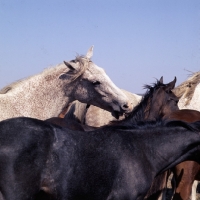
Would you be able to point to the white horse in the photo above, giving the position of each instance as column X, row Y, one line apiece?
column 190, row 98
column 189, row 93
column 45, row 95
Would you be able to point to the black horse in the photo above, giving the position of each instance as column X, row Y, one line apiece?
column 39, row 160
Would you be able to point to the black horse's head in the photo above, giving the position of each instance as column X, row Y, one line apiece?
column 158, row 101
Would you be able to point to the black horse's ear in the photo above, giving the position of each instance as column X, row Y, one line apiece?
column 171, row 85
column 161, row 80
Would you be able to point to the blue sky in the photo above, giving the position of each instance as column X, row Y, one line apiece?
column 135, row 41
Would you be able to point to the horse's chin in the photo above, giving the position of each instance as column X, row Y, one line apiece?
column 115, row 114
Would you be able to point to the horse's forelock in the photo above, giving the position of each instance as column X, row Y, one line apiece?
column 151, row 89
column 154, row 86
column 84, row 64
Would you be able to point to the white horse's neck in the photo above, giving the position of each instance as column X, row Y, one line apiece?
column 41, row 95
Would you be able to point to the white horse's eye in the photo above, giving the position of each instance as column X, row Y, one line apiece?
column 95, row 83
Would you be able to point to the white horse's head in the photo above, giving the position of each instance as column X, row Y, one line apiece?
column 89, row 84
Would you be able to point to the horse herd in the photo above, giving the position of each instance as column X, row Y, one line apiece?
column 55, row 146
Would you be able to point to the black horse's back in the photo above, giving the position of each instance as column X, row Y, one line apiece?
column 24, row 149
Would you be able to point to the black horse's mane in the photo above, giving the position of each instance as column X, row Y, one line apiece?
column 195, row 126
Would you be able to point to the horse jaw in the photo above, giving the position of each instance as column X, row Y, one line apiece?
column 115, row 114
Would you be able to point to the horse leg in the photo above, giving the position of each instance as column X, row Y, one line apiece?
column 1, row 196
column 173, row 183
column 164, row 195
column 64, row 111
column 194, row 191
column 185, row 173
column 158, row 187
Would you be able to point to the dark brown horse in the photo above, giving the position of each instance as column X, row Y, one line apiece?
column 186, row 172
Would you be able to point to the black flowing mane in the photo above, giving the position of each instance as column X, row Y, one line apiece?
column 195, row 126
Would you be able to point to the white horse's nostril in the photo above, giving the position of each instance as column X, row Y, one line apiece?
column 125, row 106
column 128, row 107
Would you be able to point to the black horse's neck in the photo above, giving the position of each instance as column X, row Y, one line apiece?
column 167, row 145
column 171, row 148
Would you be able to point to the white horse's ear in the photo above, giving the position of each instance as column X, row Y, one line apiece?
column 90, row 52
column 72, row 68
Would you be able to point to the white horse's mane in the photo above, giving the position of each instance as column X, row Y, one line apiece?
column 187, row 88
column 19, row 82
column 50, row 70
column 12, row 85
